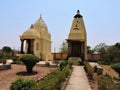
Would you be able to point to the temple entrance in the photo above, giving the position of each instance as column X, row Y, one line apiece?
column 75, row 48
column 30, row 43
column 29, row 46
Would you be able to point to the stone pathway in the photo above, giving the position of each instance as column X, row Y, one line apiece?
column 78, row 79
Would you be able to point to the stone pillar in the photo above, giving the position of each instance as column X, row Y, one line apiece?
column 69, row 48
column 32, row 46
column 22, row 45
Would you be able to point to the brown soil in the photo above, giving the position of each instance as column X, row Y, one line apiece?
column 8, row 76
column 108, row 70
column 94, row 82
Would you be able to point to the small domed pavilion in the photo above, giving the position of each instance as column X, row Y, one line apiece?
column 37, row 40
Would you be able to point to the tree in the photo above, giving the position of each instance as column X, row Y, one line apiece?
column 113, row 53
column 7, row 51
column 29, row 60
column 64, row 47
column 101, row 48
column 89, row 50
column 117, row 45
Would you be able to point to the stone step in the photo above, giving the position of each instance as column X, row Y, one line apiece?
column 75, row 60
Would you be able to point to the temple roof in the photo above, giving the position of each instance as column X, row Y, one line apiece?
column 78, row 15
column 40, row 24
column 31, row 32
column 38, row 29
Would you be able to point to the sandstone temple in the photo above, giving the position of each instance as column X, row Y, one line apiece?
column 37, row 40
column 77, row 41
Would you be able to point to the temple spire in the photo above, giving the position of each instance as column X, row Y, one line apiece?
column 78, row 12
column 78, row 15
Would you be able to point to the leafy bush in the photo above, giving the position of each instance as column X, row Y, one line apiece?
column 15, row 60
column 116, row 67
column 23, row 84
column 70, row 63
column 54, row 80
column 99, row 70
column 117, row 85
column 47, row 64
column 63, row 64
column 95, row 68
column 104, row 62
column 66, row 70
column 89, row 70
column 105, row 82
column 29, row 60
column 1, row 54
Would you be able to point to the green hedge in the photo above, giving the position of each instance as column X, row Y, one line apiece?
column 63, row 64
column 89, row 70
column 54, row 80
column 23, row 84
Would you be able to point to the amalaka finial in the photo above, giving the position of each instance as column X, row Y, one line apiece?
column 40, row 16
column 31, row 26
column 78, row 12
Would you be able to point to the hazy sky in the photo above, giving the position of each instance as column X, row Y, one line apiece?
column 101, row 19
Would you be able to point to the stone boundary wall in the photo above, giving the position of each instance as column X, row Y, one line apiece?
column 5, row 67
column 63, row 56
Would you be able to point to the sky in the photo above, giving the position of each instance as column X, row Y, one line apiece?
column 101, row 19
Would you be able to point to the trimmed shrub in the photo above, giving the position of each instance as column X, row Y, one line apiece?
column 54, row 80
column 63, row 64
column 15, row 60
column 47, row 64
column 23, row 84
column 70, row 63
column 89, row 70
column 66, row 70
column 29, row 60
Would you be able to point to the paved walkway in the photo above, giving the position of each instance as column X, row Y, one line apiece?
column 78, row 79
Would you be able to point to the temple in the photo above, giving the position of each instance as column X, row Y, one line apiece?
column 77, row 40
column 37, row 40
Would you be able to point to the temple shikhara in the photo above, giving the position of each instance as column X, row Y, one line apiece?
column 37, row 40
column 77, row 40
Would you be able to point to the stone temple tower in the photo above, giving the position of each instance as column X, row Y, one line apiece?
column 37, row 40
column 77, row 40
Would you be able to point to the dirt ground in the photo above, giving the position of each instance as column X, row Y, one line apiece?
column 8, row 76
column 107, row 69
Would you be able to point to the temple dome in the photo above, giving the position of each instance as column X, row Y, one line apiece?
column 40, row 24
column 31, row 32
